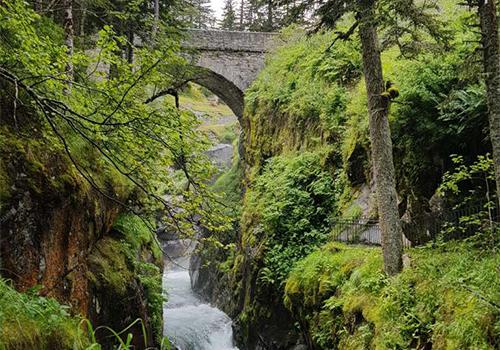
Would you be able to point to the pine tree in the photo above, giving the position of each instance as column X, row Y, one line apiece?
column 242, row 15
column 381, row 144
column 69, row 39
column 202, row 14
column 379, row 102
column 491, row 55
column 228, row 16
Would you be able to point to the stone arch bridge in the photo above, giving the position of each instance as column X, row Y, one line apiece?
column 226, row 62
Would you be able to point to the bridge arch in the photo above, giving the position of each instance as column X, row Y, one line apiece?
column 227, row 62
column 220, row 86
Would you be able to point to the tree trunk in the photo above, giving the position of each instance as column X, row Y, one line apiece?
column 130, row 46
column 381, row 144
column 491, row 59
column 68, row 40
column 83, row 17
column 156, row 15
column 269, row 15
column 38, row 6
column 242, row 14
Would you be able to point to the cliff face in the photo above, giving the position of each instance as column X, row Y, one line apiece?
column 305, row 118
column 53, row 225
column 46, row 240
column 125, row 282
column 262, row 320
column 308, row 106
column 232, row 279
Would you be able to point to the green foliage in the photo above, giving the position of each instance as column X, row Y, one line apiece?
column 437, row 114
column 304, row 81
column 229, row 16
column 446, row 299
column 30, row 321
column 149, row 276
column 104, row 125
column 308, row 98
column 229, row 186
column 292, row 200
column 138, row 234
column 471, row 186
column 481, row 170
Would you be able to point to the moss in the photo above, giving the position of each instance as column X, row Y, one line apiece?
column 5, row 185
column 149, row 276
column 229, row 186
column 139, row 237
column 224, row 133
column 133, row 253
column 110, row 266
column 429, row 303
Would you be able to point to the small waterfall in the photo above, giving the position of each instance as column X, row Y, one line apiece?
column 188, row 322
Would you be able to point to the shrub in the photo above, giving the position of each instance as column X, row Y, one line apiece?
column 292, row 199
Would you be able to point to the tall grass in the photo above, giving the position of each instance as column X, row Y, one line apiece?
column 30, row 321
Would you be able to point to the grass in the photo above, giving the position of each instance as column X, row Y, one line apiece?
column 224, row 133
column 445, row 299
column 204, row 105
column 30, row 321
column 197, row 98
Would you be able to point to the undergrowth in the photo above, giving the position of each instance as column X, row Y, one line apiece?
column 447, row 298
column 30, row 321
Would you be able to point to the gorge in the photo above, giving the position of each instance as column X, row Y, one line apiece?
column 172, row 188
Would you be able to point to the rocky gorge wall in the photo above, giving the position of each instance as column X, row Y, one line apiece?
column 56, row 234
column 232, row 281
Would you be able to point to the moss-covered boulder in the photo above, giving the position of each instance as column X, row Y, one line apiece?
column 126, row 282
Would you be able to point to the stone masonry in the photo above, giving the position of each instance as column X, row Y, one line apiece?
column 228, row 60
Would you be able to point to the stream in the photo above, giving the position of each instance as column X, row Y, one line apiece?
column 190, row 323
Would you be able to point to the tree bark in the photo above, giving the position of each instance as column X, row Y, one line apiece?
column 69, row 41
column 38, row 6
column 242, row 15
column 270, row 15
column 381, row 144
column 130, row 46
column 491, row 60
column 83, row 17
column 156, row 17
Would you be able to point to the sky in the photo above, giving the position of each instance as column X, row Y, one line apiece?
column 217, row 6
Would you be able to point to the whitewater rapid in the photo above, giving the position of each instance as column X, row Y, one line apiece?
column 189, row 323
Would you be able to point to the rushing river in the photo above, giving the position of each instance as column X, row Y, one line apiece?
column 190, row 323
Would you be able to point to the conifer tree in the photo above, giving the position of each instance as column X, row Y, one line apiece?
column 491, row 62
column 228, row 16
column 368, row 19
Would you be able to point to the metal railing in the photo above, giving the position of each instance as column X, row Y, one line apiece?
column 450, row 225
